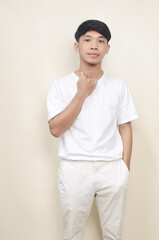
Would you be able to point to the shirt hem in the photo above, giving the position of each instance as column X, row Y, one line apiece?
column 86, row 158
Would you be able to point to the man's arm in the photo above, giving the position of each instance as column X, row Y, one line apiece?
column 126, row 135
column 61, row 122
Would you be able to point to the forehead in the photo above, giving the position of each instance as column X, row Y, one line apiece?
column 93, row 34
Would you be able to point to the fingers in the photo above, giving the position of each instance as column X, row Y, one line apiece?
column 91, row 80
column 86, row 84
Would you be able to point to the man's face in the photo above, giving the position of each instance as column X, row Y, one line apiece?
column 92, row 47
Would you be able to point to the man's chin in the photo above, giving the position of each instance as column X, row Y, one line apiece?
column 93, row 63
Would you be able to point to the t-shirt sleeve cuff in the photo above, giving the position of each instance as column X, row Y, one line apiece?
column 53, row 114
column 128, row 119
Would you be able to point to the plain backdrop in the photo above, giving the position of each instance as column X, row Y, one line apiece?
column 36, row 47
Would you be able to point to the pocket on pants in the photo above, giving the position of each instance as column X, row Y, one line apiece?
column 59, row 169
column 125, row 166
column 61, row 166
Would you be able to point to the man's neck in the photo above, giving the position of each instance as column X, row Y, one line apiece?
column 90, row 71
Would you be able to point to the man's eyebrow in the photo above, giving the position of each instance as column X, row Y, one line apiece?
column 87, row 36
column 101, row 36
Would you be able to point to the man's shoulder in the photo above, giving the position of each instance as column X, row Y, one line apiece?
column 112, row 79
column 63, row 79
column 115, row 83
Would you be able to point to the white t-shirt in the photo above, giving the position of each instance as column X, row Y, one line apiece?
column 94, row 135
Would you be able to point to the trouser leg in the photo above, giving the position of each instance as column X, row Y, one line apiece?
column 111, row 188
column 75, row 183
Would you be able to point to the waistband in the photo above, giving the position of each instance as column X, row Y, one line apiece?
column 93, row 161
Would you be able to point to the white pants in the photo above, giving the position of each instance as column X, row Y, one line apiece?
column 79, row 182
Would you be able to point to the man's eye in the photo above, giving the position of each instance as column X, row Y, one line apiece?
column 101, row 41
column 87, row 40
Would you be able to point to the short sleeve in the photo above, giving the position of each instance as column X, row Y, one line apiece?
column 127, row 110
column 55, row 102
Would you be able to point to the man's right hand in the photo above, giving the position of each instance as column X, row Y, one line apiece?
column 85, row 85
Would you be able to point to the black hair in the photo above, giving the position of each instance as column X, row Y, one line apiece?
column 94, row 25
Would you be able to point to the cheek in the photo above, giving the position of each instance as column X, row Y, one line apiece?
column 83, row 51
column 105, row 51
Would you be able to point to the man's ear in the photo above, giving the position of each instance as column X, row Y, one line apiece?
column 108, row 48
column 76, row 47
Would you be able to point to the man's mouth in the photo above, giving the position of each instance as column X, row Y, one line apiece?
column 93, row 54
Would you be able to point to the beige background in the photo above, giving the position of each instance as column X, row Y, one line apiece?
column 36, row 47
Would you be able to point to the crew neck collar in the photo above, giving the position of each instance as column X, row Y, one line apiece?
column 99, row 80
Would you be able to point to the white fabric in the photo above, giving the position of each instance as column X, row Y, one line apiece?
column 94, row 135
column 79, row 182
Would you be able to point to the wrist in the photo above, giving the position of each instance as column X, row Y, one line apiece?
column 80, row 96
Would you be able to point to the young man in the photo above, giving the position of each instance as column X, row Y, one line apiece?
column 91, row 111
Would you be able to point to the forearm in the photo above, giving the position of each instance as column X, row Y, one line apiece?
column 60, row 123
column 126, row 135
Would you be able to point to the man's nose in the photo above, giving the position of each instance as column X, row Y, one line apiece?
column 94, row 45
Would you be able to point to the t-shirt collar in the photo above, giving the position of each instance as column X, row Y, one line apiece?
column 99, row 80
